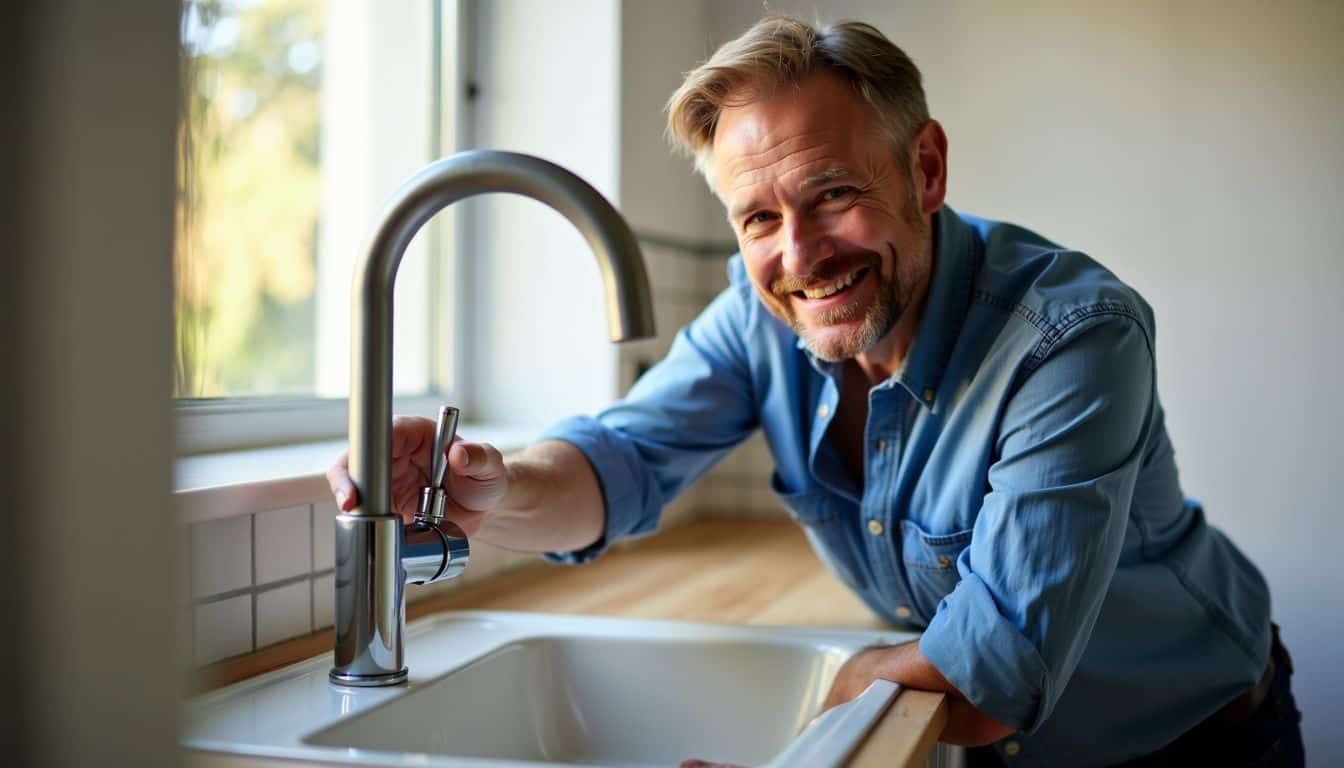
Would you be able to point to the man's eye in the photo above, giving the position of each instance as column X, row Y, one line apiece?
column 760, row 217
column 837, row 193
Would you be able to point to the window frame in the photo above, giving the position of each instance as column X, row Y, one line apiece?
column 211, row 425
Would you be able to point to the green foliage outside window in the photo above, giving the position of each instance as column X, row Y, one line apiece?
column 249, row 198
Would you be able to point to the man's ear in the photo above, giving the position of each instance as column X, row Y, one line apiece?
column 930, row 166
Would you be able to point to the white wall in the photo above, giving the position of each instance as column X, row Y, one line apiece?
column 1198, row 150
column 659, row 191
column 89, row 657
column 662, row 196
column 547, row 75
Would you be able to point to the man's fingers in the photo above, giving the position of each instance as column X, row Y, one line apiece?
column 406, row 506
column 406, row 475
column 475, row 460
column 478, row 481
column 412, row 438
column 469, row 520
column 338, row 478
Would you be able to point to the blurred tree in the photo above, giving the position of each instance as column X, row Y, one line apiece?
column 248, row 203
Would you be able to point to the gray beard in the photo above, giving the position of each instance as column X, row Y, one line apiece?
column 878, row 319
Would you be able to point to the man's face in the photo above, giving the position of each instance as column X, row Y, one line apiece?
column 824, row 212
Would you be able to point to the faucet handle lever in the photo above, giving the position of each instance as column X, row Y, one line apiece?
column 444, row 432
column 432, row 496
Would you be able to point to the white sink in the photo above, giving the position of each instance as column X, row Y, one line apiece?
column 521, row 689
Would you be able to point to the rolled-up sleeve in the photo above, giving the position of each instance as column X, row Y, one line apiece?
column 1047, row 540
column 681, row 417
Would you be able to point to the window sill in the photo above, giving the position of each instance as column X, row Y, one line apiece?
column 231, row 483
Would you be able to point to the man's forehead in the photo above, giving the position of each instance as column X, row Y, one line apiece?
column 808, row 153
column 749, row 137
column 767, row 153
column 812, row 129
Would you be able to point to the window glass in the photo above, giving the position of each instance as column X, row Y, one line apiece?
column 299, row 119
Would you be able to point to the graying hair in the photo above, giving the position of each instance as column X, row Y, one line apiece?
column 782, row 50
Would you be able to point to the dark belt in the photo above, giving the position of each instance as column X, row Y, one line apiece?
column 1242, row 708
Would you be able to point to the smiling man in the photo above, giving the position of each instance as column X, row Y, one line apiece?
column 965, row 421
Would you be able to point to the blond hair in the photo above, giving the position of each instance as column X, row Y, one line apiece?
column 782, row 50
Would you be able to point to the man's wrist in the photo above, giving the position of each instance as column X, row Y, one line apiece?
column 967, row 725
column 893, row 662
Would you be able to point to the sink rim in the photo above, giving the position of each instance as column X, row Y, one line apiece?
column 476, row 634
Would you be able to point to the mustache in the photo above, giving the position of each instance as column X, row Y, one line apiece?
column 789, row 283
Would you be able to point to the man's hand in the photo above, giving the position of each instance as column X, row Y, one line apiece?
column 476, row 482
column 904, row 664
column 854, row 677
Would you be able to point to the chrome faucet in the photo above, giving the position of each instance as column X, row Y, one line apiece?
column 376, row 555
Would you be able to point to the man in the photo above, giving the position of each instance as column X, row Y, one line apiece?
column 964, row 418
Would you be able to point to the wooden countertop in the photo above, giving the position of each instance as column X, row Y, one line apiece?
column 723, row 571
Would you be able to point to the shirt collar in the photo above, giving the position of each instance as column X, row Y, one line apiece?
column 945, row 305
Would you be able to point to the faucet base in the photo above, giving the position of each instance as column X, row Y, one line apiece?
column 368, row 681
column 370, row 612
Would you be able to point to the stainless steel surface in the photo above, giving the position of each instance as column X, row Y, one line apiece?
column 370, row 612
column 433, row 552
column 629, row 306
column 433, row 497
column 459, row 551
column 369, row 605
column 432, row 503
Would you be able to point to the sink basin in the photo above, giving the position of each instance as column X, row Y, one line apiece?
column 607, row 701
column 520, row 689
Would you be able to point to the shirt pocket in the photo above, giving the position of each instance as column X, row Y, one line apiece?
column 931, row 564
column 832, row 534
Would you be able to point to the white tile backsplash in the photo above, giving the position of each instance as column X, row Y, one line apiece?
column 296, row 544
column 324, row 601
column 324, row 535
column 183, row 618
column 284, row 612
column 283, row 544
column 221, row 556
column 182, row 565
column 298, row 540
column 223, row 628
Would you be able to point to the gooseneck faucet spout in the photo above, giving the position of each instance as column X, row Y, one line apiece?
column 370, row 575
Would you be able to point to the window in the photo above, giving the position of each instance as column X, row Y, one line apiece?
column 300, row 118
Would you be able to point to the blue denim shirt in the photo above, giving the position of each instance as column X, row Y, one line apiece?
column 1020, row 500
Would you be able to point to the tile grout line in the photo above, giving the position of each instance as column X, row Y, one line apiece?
column 190, row 554
column 267, row 587
column 312, row 566
column 254, row 582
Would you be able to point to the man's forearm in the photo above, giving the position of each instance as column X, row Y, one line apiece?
column 553, row 502
column 904, row 664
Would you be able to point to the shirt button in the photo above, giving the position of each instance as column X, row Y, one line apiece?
column 928, row 394
column 823, row 410
column 902, row 612
column 875, row 527
column 1011, row 748
column 881, row 445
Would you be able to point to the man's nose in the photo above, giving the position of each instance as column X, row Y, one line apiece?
column 804, row 246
